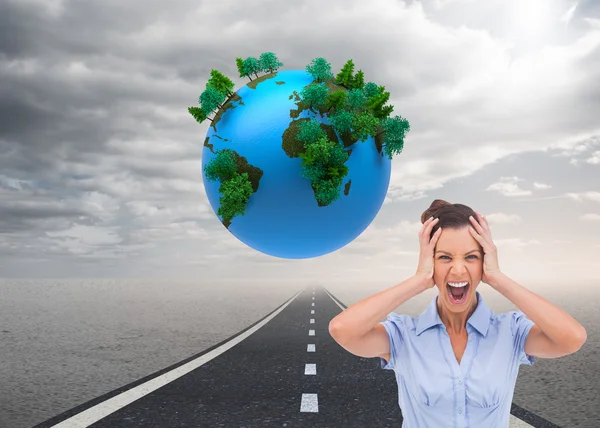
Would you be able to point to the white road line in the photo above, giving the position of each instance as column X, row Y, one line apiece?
column 310, row 369
column 311, row 348
column 101, row 410
column 312, row 320
column 313, row 304
column 514, row 421
column 309, row 403
column 312, row 311
column 311, row 332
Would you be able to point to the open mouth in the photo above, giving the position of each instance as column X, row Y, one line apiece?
column 458, row 291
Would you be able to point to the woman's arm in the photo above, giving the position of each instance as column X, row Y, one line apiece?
column 358, row 319
column 555, row 333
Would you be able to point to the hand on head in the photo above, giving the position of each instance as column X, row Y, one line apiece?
column 482, row 234
column 427, row 245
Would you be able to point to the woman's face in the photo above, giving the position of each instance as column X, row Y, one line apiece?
column 458, row 258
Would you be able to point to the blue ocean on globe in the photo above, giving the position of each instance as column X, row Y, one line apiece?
column 283, row 218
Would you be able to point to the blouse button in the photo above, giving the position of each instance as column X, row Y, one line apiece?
column 460, row 411
column 460, row 381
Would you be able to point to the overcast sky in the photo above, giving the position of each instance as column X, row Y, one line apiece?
column 100, row 162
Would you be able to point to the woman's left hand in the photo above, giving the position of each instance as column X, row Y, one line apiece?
column 481, row 232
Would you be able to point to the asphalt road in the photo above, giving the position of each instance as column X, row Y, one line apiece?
column 283, row 371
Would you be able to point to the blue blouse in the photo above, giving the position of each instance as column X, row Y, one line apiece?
column 434, row 390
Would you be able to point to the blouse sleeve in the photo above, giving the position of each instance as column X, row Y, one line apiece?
column 393, row 325
column 521, row 325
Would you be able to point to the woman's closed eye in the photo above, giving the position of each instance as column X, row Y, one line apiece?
column 470, row 255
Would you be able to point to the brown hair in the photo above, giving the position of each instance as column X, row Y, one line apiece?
column 451, row 216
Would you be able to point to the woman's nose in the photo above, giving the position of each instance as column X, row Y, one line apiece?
column 458, row 267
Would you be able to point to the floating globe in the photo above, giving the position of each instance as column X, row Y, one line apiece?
column 283, row 217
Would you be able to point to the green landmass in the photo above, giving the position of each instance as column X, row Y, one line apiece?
column 347, row 187
column 346, row 136
column 290, row 143
column 229, row 104
column 254, row 83
column 220, row 138
column 356, row 111
column 239, row 180
column 209, row 145
column 295, row 113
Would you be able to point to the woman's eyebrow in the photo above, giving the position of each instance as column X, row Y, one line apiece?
column 446, row 252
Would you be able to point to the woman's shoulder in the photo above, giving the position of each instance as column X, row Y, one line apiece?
column 403, row 323
column 511, row 324
column 511, row 318
column 397, row 318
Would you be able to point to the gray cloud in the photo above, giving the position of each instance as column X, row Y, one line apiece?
column 100, row 161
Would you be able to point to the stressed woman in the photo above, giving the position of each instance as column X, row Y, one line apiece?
column 457, row 363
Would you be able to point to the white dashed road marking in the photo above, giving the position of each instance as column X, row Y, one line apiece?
column 309, row 403
column 310, row 369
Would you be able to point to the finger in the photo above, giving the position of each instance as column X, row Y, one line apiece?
column 436, row 236
column 481, row 239
column 432, row 224
column 482, row 220
column 476, row 224
column 426, row 230
column 424, row 227
column 475, row 235
column 487, row 226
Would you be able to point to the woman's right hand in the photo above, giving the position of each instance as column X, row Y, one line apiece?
column 425, row 267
